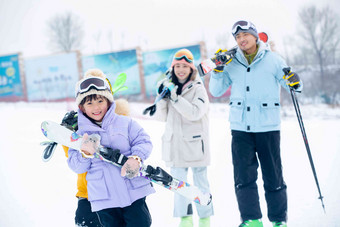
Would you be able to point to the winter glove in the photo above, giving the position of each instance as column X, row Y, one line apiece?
column 221, row 59
column 173, row 95
column 131, row 167
column 292, row 79
column 160, row 90
column 70, row 120
column 173, row 90
column 90, row 144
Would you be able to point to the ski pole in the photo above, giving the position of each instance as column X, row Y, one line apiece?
column 304, row 135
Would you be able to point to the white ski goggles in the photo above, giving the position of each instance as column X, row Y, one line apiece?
column 97, row 83
column 242, row 24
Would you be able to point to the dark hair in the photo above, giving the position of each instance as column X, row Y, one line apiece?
column 176, row 82
column 92, row 97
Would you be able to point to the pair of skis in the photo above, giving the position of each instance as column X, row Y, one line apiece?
column 62, row 135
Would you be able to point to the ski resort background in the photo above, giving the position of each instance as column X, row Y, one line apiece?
column 52, row 77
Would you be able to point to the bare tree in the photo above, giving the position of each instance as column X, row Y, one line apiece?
column 65, row 32
column 320, row 33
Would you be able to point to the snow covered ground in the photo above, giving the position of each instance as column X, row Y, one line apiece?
column 35, row 193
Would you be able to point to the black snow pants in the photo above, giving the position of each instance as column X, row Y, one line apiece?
column 248, row 149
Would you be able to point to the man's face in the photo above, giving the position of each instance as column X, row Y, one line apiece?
column 246, row 42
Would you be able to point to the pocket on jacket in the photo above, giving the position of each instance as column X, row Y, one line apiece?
column 193, row 148
column 96, row 185
column 166, row 146
column 236, row 110
column 137, row 182
column 270, row 113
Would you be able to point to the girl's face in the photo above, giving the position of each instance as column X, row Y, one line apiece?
column 182, row 71
column 246, row 42
column 96, row 108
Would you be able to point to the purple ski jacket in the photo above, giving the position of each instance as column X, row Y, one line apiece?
column 106, row 187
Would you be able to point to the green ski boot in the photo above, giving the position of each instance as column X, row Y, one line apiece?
column 186, row 222
column 279, row 224
column 252, row 223
column 204, row 222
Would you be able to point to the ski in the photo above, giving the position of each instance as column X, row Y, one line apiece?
column 208, row 65
column 62, row 135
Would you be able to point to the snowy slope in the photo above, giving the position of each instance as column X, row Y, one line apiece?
column 34, row 193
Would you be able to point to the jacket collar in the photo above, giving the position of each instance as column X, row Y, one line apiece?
column 263, row 48
column 190, row 84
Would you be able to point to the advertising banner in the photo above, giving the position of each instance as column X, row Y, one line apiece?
column 52, row 77
column 112, row 64
column 10, row 81
column 156, row 63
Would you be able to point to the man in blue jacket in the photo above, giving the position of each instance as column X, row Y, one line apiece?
column 255, row 75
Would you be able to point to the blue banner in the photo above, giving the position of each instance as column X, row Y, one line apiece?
column 156, row 63
column 52, row 77
column 112, row 64
column 10, row 82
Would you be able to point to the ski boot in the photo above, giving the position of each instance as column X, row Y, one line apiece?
column 252, row 223
column 279, row 224
column 204, row 222
column 186, row 222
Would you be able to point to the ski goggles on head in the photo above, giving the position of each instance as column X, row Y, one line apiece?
column 242, row 24
column 184, row 54
column 97, row 83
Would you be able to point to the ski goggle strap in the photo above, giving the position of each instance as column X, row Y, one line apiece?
column 108, row 81
column 92, row 82
column 184, row 54
column 242, row 24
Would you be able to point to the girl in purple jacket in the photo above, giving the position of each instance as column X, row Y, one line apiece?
column 118, row 200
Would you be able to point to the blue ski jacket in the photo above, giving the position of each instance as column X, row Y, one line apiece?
column 255, row 90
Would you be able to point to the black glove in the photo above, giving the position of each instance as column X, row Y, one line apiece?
column 160, row 89
column 219, row 68
column 221, row 59
column 70, row 120
column 292, row 79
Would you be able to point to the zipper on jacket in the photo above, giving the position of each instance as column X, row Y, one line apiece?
column 202, row 146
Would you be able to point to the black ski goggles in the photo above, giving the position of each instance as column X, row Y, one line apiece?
column 97, row 83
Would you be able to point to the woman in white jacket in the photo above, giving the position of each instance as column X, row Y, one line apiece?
column 185, row 142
